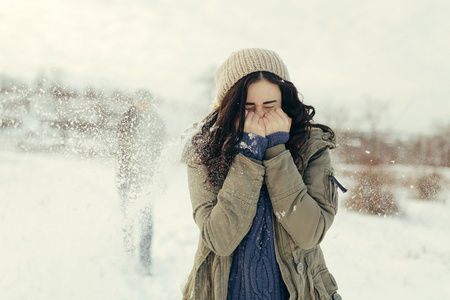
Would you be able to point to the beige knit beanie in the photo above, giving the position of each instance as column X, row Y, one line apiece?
column 243, row 62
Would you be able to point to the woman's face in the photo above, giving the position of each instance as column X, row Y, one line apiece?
column 262, row 97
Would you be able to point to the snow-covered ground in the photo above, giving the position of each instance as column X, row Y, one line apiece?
column 60, row 232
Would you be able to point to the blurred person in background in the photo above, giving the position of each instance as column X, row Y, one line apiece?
column 140, row 134
column 262, row 188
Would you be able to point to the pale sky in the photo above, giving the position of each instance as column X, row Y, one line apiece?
column 341, row 54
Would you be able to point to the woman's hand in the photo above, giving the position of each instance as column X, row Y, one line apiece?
column 254, row 124
column 277, row 120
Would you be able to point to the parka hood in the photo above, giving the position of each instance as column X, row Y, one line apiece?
column 321, row 137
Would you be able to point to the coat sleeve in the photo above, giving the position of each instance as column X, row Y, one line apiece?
column 305, row 206
column 224, row 215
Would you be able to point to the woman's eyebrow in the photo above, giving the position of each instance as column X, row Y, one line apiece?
column 267, row 102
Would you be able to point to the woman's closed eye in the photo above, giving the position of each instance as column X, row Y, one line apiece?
column 252, row 108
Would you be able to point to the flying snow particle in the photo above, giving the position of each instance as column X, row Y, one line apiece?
column 278, row 215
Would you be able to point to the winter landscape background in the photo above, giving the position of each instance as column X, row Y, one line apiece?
column 67, row 70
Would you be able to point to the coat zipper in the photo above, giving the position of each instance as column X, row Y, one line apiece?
column 280, row 253
column 340, row 186
column 210, row 277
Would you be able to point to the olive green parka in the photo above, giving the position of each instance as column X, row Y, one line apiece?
column 304, row 201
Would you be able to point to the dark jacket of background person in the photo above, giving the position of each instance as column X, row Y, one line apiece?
column 140, row 141
column 304, row 200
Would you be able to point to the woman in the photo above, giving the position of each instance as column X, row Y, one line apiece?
column 262, row 188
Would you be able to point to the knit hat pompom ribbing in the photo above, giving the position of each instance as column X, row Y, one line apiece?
column 243, row 62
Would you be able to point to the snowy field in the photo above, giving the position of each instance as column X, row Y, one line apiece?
column 60, row 230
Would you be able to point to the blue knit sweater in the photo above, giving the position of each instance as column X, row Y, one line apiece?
column 254, row 272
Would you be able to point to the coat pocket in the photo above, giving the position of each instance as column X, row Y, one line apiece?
column 331, row 195
column 324, row 284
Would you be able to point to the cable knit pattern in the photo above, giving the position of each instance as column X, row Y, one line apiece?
column 253, row 146
column 254, row 272
column 277, row 138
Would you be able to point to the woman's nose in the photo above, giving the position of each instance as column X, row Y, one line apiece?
column 260, row 112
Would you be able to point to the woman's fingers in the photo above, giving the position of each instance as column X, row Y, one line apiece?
column 261, row 127
column 273, row 121
column 254, row 124
column 286, row 119
column 247, row 121
column 271, row 117
column 281, row 114
column 277, row 120
column 270, row 123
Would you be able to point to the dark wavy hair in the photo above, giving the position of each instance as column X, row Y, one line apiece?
column 215, row 144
